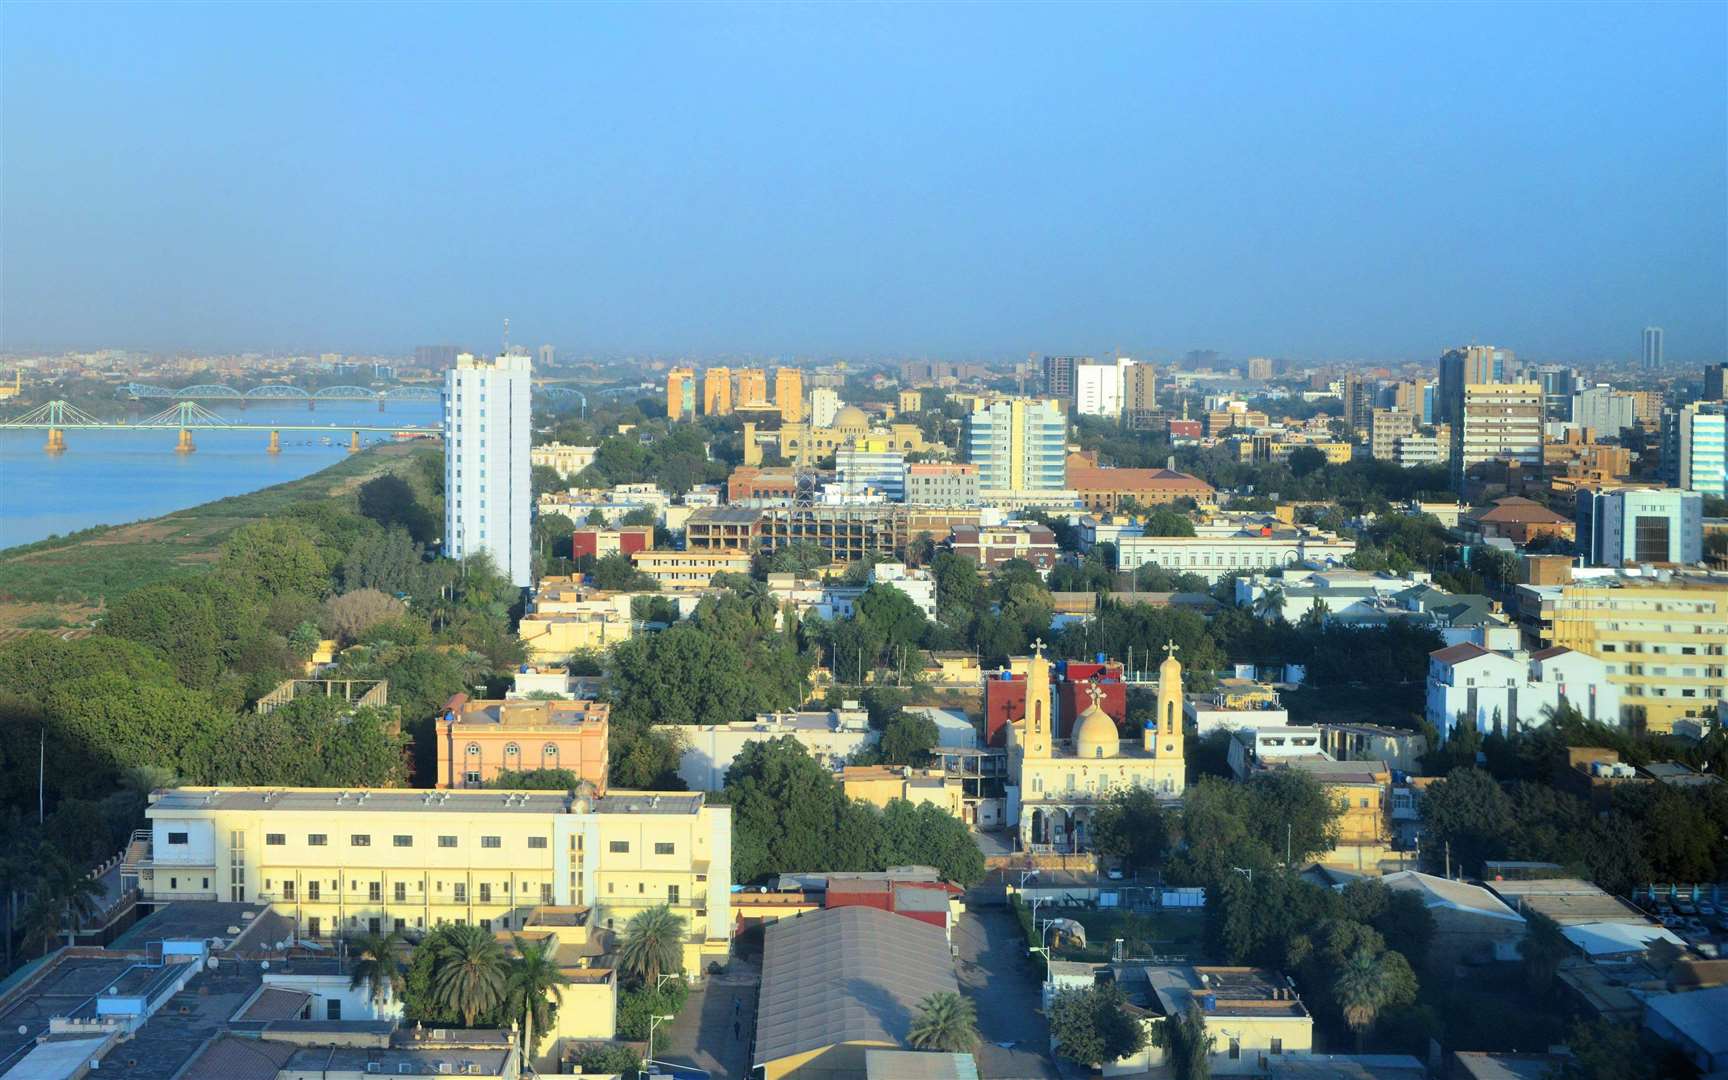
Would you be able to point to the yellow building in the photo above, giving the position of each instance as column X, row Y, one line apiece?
column 789, row 393
column 680, row 393
column 802, row 442
column 344, row 862
column 1059, row 784
column 911, row 401
column 752, row 387
column 717, row 392
column 1662, row 641
column 690, row 571
column 1337, row 453
column 880, row 785
column 568, row 617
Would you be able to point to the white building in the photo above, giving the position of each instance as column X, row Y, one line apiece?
column 1235, row 705
column 1220, row 550
column 870, row 465
column 919, row 585
column 487, row 495
column 1417, row 451
column 562, row 458
column 829, row 737
column 1098, row 390
column 824, row 406
column 1507, row 692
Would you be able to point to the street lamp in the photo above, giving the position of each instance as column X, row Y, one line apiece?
column 652, row 1021
column 1249, row 873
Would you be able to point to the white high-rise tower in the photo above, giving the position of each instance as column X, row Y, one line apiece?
column 487, row 496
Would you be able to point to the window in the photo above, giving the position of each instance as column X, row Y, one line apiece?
column 472, row 779
column 374, row 890
column 177, row 838
column 619, row 847
column 461, row 893
column 275, row 839
column 399, row 892
column 549, row 750
column 491, row 841
column 546, row 893
column 512, row 750
column 287, row 890
column 401, row 840
column 536, row 841
column 333, row 1009
column 662, row 849
column 672, row 894
column 317, row 839
column 446, row 841
column 1235, row 1048
column 473, row 749
column 312, row 890
column 1277, row 1047
column 360, row 840
column 486, row 924
column 485, row 892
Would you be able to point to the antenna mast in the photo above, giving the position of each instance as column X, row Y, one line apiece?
column 506, row 335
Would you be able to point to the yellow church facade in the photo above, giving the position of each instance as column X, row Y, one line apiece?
column 1058, row 783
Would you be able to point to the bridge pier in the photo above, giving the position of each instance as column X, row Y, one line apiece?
column 275, row 442
column 380, row 402
column 56, row 441
column 354, row 443
column 185, row 445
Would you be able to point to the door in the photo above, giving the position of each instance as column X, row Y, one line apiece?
column 312, row 927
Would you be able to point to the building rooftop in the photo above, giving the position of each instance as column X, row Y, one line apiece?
column 1567, row 901
column 1697, row 1016
column 525, row 713
column 1225, row 991
column 399, row 800
column 849, row 974
column 1457, row 895
column 918, row 1065
column 431, row 1061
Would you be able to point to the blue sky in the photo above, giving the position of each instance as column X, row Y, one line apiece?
column 1303, row 180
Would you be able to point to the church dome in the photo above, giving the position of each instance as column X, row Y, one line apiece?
column 1095, row 734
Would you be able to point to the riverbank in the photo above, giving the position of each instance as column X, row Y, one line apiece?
column 61, row 583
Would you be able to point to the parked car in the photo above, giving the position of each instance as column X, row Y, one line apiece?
column 1685, row 907
column 1706, row 910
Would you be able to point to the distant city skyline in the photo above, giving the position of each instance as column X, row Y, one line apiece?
column 924, row 181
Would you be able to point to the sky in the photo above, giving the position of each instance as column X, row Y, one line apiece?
column 1312, row 181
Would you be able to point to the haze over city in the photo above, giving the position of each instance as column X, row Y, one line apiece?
column 1315, row 182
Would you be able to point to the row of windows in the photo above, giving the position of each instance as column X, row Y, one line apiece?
column 512, row 749
column 399, row 892
column 401, row 840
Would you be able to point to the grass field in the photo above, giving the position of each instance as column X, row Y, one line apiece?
column 64, row 581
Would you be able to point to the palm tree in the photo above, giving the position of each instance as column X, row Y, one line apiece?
column 468, row 976
column 1362, row 988
column 377, row 964
column 68, row 889
column 946, row 1021
column 1269, row 605
column 653, row 945
column 534, row 989
column 40, row 922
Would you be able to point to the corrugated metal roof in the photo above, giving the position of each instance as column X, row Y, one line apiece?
column 850, row 974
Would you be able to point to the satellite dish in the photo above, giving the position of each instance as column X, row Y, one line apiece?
column 264, row 965
column 210, row 964
column 23, row 1029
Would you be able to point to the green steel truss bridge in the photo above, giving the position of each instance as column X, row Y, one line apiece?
column 279, row 392
column 185, row 417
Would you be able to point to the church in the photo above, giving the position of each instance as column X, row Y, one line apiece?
column 1056, row 783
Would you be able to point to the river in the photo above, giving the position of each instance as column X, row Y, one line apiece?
column 115, row 477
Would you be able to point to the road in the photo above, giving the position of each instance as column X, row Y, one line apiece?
column 993, row 972
column 704, row 1033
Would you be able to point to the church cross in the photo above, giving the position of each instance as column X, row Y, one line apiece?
column 1038, row 648
column 1171, row 648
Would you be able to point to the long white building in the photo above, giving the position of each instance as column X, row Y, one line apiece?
column 487, row 495
column 1506, row 693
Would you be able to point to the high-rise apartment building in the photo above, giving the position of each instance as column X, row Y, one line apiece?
column 680, row 393
column 1662, row 641
column 1139, row 391
column 487, row 495
column 1018, row 444
column 752, row 387
column 1098, row 390
column 1558, row 383
column 1632, row 526
column 871, row 464
column 1502, row 422
column 436, row 357
column 1059, row 376
column 1652, row 346
column 1388, row 426
column 1259, row 367
column 1358, row 397
column 717, row 392
column 1602, row 409
column 547, row 355
column 1466, row 366
column 1715, row 382
column 789, row 394
column 824, row 406
column 1696, row 449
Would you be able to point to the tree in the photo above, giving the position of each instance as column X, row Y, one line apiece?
column 921, row 834
column 617, row 572
column 908, row 739
column 181, row 625
column 272, row 557
column 1362, row 988
column 390, row 501
column 1166, row 522
column 946, row 1021
column 892, row 616
column 377, row 965
column 1189, row 1044
column 349, row 615
column 653, row 944
column 1091, row 1026
column 389, row 561
column 1129, row 825
column 469, row 973
column 1469, row 814
column 1542, row 948
column 533, row 989
column 535, row 780
column 1305, row 460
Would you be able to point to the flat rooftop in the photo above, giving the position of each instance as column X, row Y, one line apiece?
column 431, row 1061
column 200, row 920
column 1225, row 991
column 526, row 713
column 1568, row 901
column 402, row 800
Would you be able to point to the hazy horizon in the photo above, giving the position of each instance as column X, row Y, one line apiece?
column 1314, row 182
